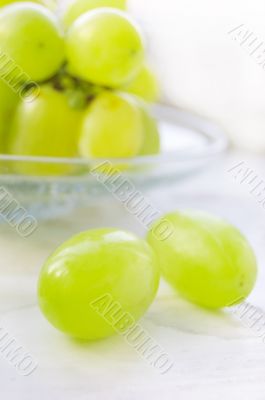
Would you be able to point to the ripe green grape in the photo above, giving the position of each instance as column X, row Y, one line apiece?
column 97, row 264
column 144, row 85
column 31, row 40
column 151, row 143
column 8, row 103
column 47, row 3
column 79, row 7
column 104, row 47
column 112, row 127
column 206, row 259
column 46, row 126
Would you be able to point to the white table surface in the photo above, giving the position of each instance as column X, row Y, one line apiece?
column 215, row 356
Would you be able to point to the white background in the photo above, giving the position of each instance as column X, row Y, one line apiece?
column 202, row 68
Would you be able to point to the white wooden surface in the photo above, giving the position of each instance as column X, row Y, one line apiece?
column 215, row 356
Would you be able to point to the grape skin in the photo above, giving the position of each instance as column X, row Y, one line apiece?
column 145, row 85
column 151, row 142
column 89, row 266
column 47, row 127
column 79, row 7
column 112, row 127
column 30, row 36
column 8, row 103
column 206, row 260
column 47, row 3
column 105, row 48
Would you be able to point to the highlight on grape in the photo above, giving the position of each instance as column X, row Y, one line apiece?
column 133, row 333
column 133, row 200
column 16, row 215
column 17, row 79
column 24, row 363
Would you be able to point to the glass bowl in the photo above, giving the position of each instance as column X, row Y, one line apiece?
column 189, row 142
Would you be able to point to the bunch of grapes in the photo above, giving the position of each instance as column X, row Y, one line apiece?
column 91, row 83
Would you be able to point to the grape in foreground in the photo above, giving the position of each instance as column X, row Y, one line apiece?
column 145, row 85
column 206, row 259
column 47, row 126
column 79, row 7
column 97, row 264
column 31, row 39
column 112, row 127
column 105, row 48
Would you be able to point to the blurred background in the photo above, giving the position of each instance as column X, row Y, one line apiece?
column 206, row 69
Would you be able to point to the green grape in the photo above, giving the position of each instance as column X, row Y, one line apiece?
column 105, row 48
column 8, row 103
column 47, row 3
column 91, row 266
column 144, row 85
column 151, row 143
column 206, row 259
column 79, row 7
column 112, row 127
column 46, row 126
column 30, row 39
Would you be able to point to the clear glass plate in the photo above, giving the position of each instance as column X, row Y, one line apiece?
column 189, row 143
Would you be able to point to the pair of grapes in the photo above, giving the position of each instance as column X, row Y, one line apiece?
column 90, row 78
column 205, row 259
